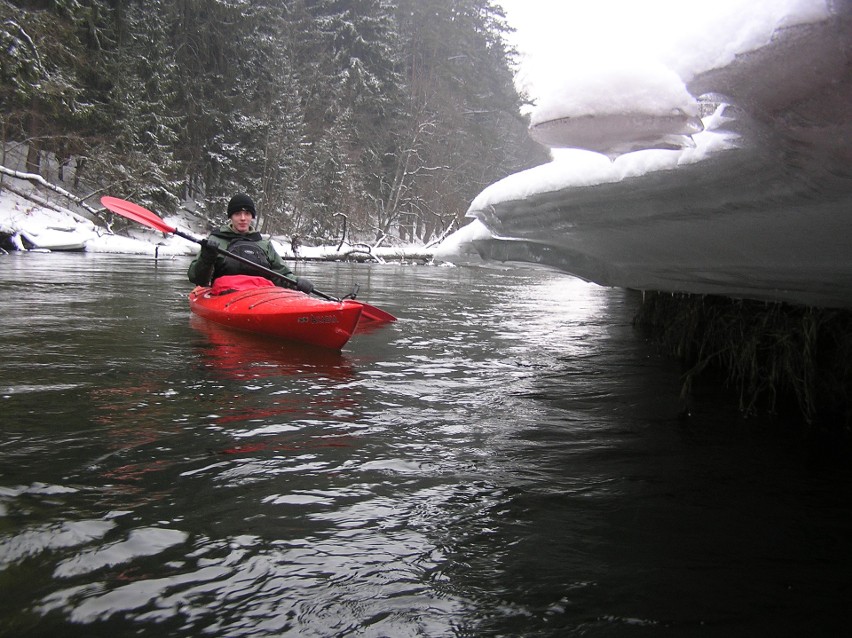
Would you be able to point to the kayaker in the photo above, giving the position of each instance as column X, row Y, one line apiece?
column 240, row 237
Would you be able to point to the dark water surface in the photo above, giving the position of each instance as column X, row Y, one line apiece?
column 506, row 460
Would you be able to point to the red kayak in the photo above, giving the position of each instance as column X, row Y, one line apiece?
column 255, row 304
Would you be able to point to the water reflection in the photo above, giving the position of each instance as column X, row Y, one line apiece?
column 244, row 356
column 504, row 460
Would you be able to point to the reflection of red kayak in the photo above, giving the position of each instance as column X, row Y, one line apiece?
column 245, row 356
column 254, row 304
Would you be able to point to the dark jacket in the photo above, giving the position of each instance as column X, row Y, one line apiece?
column 203, row 271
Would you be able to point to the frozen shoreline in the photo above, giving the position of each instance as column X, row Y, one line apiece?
column 32, row 223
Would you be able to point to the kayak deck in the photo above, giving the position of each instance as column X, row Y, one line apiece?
column 279, row 312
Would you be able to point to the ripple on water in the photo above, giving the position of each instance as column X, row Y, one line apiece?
column 501, row 461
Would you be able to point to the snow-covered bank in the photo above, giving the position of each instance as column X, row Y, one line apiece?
column 754, row 206
column 48, row 226
column 41, row 225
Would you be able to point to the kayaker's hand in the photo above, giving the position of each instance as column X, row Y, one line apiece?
column 304, row 285
column 208, row 251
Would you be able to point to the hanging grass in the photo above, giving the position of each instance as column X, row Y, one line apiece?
column 778, row 357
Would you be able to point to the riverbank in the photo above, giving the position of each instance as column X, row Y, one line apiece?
column 30, row 221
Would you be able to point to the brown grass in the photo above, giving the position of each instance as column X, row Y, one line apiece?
column 774, row 355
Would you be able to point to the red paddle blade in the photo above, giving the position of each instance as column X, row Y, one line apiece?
column 136, row 213
column 371, row 313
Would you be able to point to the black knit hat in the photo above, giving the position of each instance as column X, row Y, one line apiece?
column 239, row 202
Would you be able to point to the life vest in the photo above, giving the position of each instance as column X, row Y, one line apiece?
column 247, row 249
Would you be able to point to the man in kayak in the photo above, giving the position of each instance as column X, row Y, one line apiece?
column 239, row 236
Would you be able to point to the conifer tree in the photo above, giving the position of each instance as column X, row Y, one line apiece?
column 394, row 114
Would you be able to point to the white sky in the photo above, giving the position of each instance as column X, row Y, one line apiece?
column 560, row 39
column 555, row 35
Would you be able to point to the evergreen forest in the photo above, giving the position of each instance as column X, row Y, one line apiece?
column 393, row 115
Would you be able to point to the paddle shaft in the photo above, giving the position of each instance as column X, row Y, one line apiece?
column 249, row 262
column 368, row 312
column 145, row 217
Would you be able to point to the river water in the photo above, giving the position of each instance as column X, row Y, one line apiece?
column 505, row 460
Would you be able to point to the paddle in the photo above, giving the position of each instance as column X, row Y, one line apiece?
column 147, row 218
